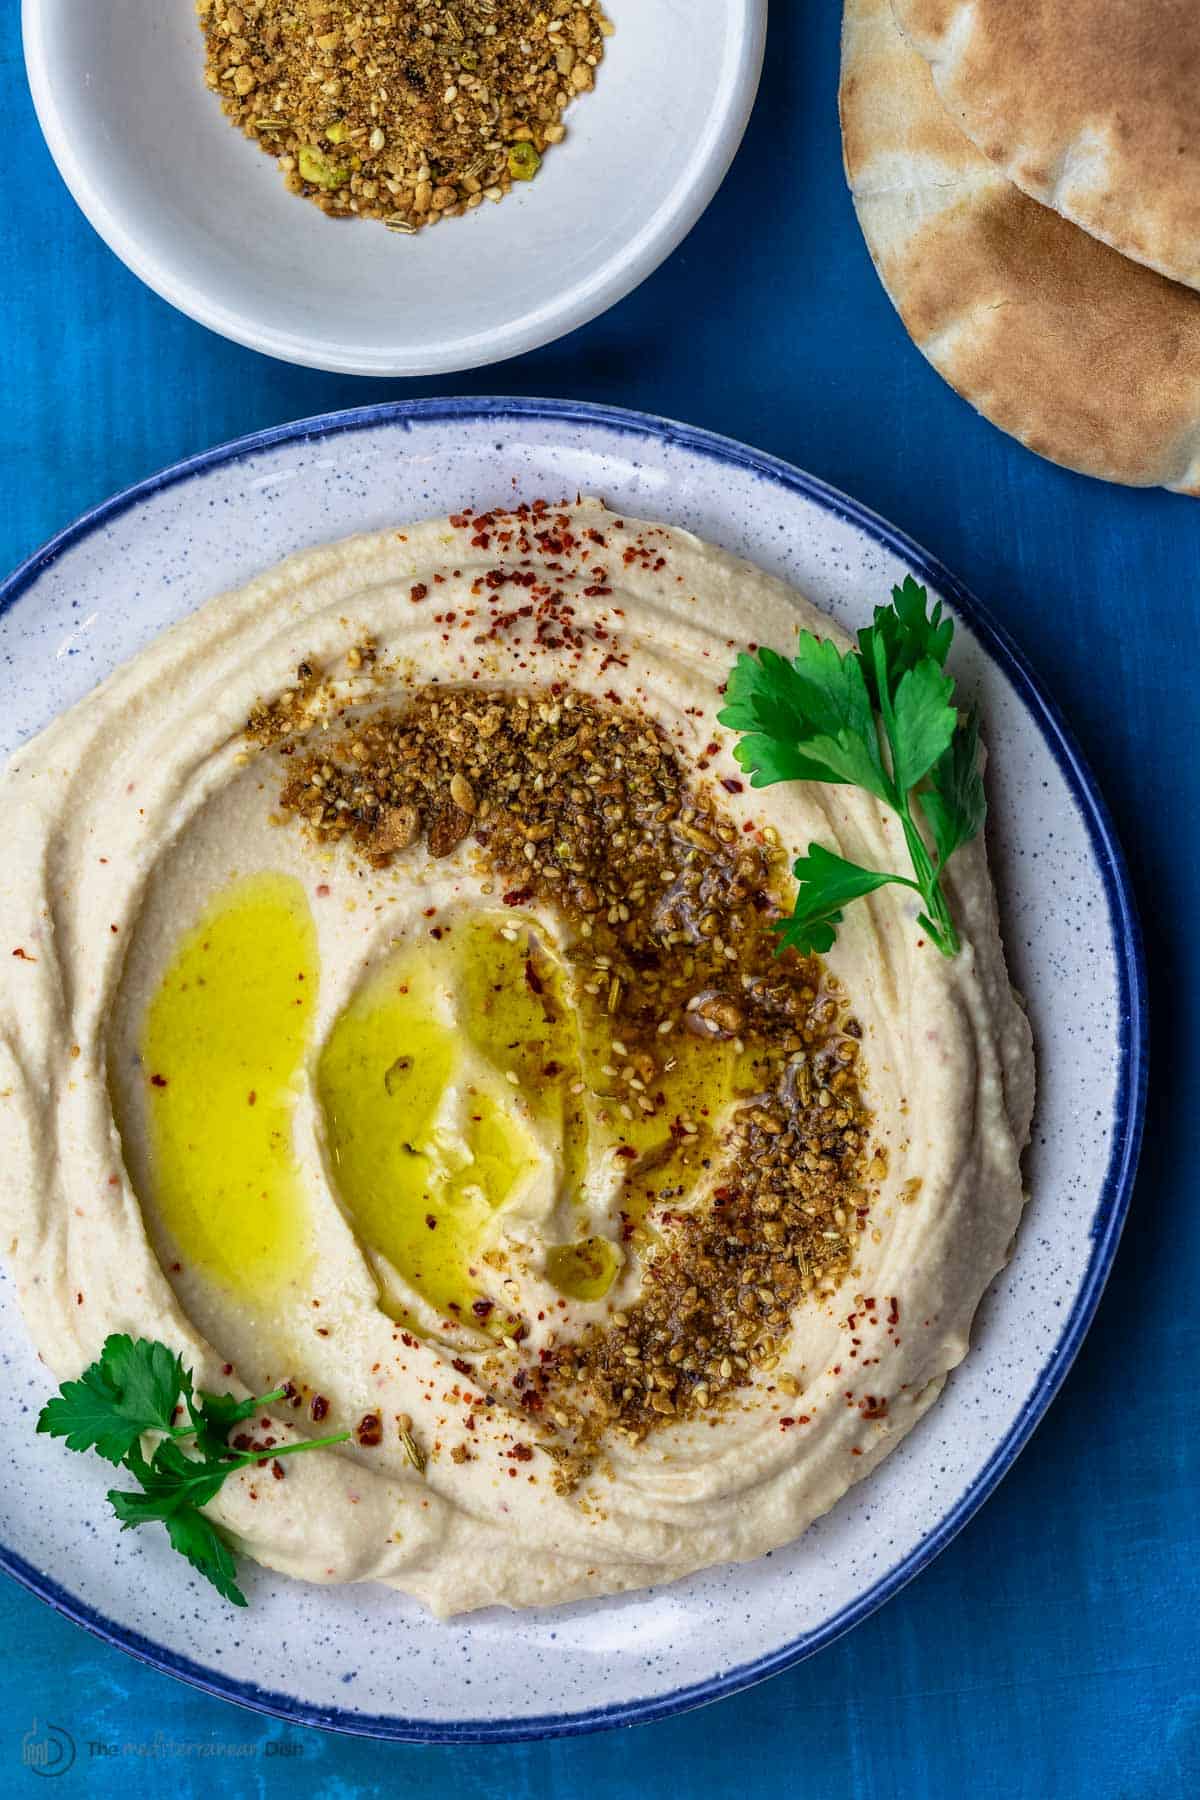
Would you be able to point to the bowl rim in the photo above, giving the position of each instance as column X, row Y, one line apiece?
column 1129, row 1104
column 593, row 294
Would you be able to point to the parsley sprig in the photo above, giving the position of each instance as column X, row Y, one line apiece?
column 880, row 717
column 137, row 1387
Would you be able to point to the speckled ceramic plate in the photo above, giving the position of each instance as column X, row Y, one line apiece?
column 364, row 1659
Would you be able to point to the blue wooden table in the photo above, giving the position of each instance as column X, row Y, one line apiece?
column 1054, row 1650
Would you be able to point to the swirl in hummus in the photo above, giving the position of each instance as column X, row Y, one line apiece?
column 390, row 1009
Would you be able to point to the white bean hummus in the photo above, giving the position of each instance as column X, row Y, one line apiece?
column 388, row 1008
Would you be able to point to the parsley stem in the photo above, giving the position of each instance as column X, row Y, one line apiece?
column 938, row 921
column 939, row 924
column 258, row 1456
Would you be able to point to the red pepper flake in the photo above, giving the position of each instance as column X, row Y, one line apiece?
column 431, row 1221
column 23, row 955
column 482, row 1308
column 872, row 1408
column 730, row 785
column 461, row 1364
column 158, row 1081
column 318, row 1408
column 277, row 1470
column 517, row 896
column 369, row 1431
column 419, row 592
column 521, row 1452
column 251, row 1097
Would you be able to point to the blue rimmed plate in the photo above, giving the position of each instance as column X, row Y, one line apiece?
column 363, row 1659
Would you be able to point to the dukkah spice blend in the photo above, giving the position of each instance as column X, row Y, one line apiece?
column 582, row 805
column 410, row 112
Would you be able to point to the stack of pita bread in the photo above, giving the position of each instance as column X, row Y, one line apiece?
column 1027, row 177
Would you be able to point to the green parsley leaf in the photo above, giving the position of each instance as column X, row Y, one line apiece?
column 908, row 635
column 173, row 1490
column 955, row 803
column 135, row 1387
column 198, row 1539
column 881, row 718
column 924, row 723
column 805, row 720
column 169, row 1480
column 827, row 884
column 215, row 1415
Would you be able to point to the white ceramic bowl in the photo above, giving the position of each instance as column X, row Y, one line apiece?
column 363, row 1659
column 203, row 217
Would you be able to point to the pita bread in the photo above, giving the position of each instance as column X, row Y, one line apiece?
column 1090, row 106
column 1085, row 357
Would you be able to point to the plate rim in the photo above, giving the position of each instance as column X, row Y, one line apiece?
column 1131, row 1082
column 582, row 302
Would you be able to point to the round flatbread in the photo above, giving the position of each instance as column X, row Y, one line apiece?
column 1088, row 105
column 1085, row 357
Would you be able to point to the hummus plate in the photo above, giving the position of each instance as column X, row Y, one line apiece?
column 148, row 559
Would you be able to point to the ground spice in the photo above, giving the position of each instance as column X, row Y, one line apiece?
column 409, row 112
column 585, row 805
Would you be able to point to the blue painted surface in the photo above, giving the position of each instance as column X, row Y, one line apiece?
column 1053, row 1649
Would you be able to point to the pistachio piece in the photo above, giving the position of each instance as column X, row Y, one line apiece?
column 523, row 161
column 321, row 170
